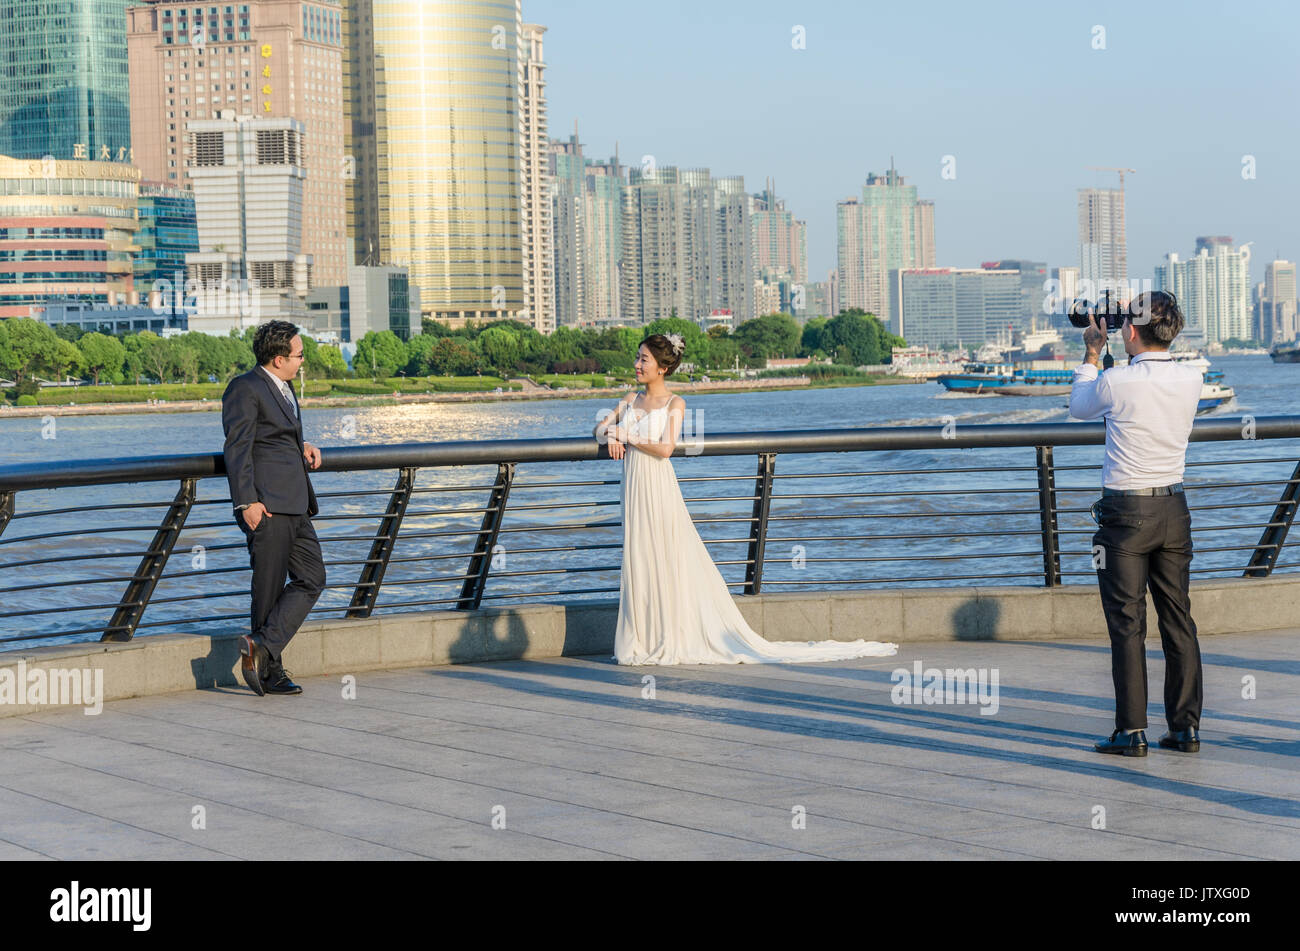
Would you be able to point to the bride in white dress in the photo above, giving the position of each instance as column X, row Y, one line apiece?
column 674, row 606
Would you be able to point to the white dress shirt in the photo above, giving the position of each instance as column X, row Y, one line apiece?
column 284, row 390
column 1148, row 406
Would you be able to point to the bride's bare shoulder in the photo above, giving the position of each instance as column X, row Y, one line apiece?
column 676, row 402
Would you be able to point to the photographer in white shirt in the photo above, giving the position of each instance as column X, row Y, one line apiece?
column 1144, row 535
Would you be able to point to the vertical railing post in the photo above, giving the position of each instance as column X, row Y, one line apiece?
column 6, row 510
column 758, row 522
column 1047, row 517
column 141, row 587
column 471, row 591
column 1266, row 553
column 381, row 549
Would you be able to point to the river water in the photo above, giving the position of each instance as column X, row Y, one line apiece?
column 973, row 537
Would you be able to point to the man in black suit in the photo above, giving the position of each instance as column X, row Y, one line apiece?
column 267, row 466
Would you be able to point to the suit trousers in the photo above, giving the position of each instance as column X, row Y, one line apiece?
column 283, row 545
column 1146, row 541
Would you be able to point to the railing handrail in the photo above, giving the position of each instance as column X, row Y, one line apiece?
column 83, row 472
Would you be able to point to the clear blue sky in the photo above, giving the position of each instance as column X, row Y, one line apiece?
column 1013, row 90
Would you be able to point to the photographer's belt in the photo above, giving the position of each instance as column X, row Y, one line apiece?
column 1174, row 489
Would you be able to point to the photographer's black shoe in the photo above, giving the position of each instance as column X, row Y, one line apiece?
column 1132, row 744
column 1185, row 741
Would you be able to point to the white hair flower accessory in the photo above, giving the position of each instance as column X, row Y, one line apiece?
column 678, row 343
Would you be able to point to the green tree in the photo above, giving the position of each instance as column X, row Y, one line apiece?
column 450, row 356
column 814, row 332
column 159, row 357
column 769, row 336
column 724, row 352
column 566, row 344
column 66, row 360
column 417, row 353
column 381, row 354
column 187, row 362
column 500, row 347
column 434, row 328
column 32, row 348
column 133, row 367
column 857, row 338
column 104, row 356
column 6, row 350
column 331, row 358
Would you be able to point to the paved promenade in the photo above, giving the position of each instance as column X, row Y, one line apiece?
column 571, row 759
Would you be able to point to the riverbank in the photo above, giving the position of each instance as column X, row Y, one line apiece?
column 530, row 391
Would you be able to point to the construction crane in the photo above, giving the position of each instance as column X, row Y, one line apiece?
column 1112, row 168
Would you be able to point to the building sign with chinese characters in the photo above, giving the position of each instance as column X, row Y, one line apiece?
column 266, row 77
column 81, row 152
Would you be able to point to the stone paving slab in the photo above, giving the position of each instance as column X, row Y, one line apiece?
column 571, row 758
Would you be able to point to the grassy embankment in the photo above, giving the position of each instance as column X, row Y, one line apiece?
column 176, row 392
column 821, row 376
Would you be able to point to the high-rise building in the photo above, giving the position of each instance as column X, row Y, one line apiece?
column 1103, row 252
column 168, row 231
column 1059, row 295
column 1033, row 288
column 1212, row 243
column 1278, row 321
column 568, row 229
column 432, row 119
column 67, row 232
column 657, row 277
column 946, row 307
column 587, row 210
column 887, row 229
column 1213, row 291
column 264, row 58
column 606, row 183
column 63, row 80
column 535, row 185
column 687, row 246
column 731, row 259
column 780, row 240
column 767, row 298
column 249, row 178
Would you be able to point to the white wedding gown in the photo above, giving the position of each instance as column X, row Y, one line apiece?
column 673, row 605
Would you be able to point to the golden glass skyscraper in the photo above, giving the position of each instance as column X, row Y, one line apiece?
column 432, row 99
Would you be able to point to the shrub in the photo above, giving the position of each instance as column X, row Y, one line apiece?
column 27, row 400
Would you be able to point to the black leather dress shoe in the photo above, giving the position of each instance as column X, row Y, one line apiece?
column 1133, row 744
column 278, row 681
column 256, row 662
column 1185, row 741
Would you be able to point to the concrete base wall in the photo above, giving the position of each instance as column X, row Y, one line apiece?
column 163, row 663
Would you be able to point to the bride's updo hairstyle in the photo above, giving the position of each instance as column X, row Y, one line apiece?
column 667, row 352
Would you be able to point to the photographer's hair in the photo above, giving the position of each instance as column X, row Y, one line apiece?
column 661, row 348
column 1164, row 318
column 273, row 339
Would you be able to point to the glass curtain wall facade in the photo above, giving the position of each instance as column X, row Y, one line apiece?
column 63, row 80
column 168, row 231
column 432, row 118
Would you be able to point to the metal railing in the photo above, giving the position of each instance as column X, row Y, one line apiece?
column 418, row 557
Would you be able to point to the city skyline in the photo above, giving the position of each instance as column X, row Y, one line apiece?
column 1002, row 104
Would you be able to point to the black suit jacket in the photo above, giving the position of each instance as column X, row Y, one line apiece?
column 264, row 449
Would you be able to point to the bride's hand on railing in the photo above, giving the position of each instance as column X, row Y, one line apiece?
column 615, row 437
